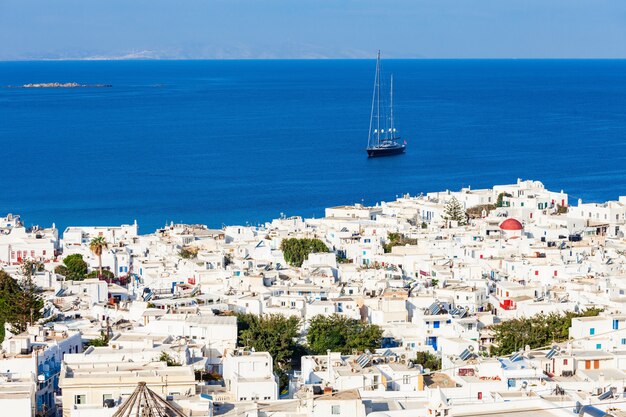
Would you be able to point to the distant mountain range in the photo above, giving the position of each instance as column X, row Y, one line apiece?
column 206, row 52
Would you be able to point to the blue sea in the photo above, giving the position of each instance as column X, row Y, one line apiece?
column 236, row 142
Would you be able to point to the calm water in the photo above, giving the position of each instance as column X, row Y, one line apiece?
column 242, row 141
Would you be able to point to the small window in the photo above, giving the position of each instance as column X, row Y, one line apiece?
column 335, row 410
column 592, row 331
column 565, row 362
column 406, row 379
column 80, row 399
column 623, row 341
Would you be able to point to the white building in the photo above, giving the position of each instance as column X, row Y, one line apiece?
column 18, row 243
column 249, row 375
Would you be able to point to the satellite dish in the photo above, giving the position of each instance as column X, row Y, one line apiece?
column 41, row 378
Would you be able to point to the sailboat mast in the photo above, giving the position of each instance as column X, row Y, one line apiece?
column 369, row 137
column 393, row 133
column 378, row 94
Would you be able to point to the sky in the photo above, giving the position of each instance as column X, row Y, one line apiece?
column 233, row 29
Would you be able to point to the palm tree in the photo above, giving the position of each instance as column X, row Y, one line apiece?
column 97, row 245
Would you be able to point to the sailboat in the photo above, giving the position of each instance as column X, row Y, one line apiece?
column 382, row 139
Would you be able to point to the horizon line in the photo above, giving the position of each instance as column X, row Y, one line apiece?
column 98, row 59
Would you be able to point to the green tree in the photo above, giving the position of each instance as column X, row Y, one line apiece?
column 362, row 335
column 9, row 289
column 500, row 200
column 29, row 267
column 20, row 303
column 30, row 304
column 165, row 357
column 454, row 212
column 343, row 260
column 276, row 334
column 97, row 245
column 103, row 340
column 295, row 250
column 327, row 332
column 397, row 239
column 74, row 267
column 538, row 331
column 428, row 361
column 107, row 275
column 339, row 333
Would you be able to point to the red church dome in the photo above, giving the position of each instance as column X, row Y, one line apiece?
column 511, row 224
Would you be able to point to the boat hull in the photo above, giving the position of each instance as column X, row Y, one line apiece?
column 376, row 152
